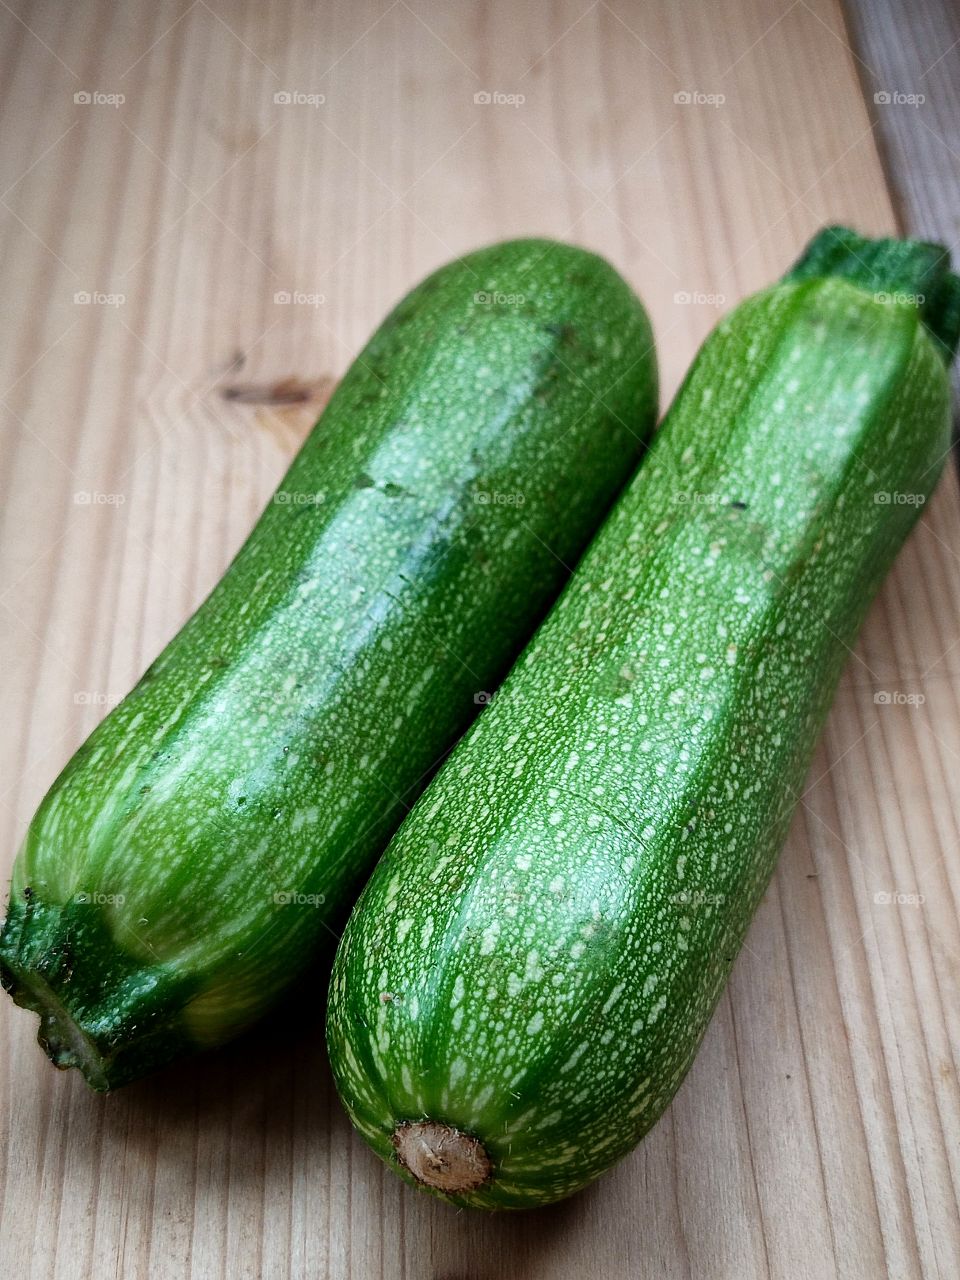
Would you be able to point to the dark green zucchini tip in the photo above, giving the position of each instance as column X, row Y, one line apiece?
column 915, row 272
column 94, row 1024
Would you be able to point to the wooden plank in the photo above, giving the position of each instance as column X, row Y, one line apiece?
column 909, row 60
column 909, row 64
column 817, row 1134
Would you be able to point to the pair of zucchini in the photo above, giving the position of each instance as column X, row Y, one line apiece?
column 527, row 975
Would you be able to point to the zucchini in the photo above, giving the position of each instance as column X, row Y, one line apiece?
column 529, row 972
column 208, row 837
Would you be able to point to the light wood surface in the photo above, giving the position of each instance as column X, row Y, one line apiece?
column 818, row 1133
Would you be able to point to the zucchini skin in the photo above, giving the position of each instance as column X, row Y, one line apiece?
column 207, row 839
column 533, row 965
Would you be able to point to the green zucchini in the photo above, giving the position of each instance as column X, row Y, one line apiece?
column 208, row 837
column 530, row 970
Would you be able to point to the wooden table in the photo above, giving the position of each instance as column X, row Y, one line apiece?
column 818, row 1133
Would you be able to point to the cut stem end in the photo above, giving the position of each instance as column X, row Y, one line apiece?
column 64, row 1042
column 442, row 1157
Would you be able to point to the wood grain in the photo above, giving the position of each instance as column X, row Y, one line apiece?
column 909, row 65
column 818, row 1133
column 912, row 58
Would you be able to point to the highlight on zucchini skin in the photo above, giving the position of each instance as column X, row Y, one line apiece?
column 530, row 970
column 200, row 848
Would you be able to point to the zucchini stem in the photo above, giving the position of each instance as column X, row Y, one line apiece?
column 912, row 272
